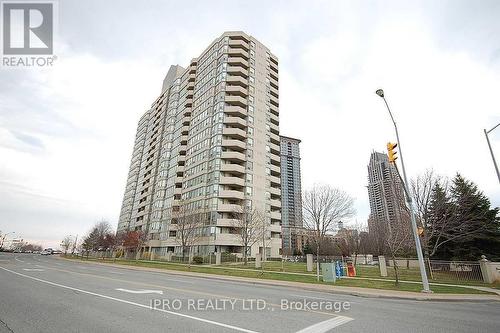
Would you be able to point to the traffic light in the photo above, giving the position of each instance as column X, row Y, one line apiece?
column 392, row 152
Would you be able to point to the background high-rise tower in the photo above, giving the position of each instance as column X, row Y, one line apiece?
column 386, row 194
column 291, row 193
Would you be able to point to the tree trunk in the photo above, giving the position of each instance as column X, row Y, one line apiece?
column 317, row 261
column 396, row 272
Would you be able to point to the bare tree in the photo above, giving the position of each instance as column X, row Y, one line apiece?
column 74, row 245
column 66, row 244
column 422, row 188
column 249, row 222
column 189, row 227
column 399, row 242
column 323, row 207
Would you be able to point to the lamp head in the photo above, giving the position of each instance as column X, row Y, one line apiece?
column 380, row 92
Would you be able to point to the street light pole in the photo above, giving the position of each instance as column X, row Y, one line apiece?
column 425, row 281
column 491, row 150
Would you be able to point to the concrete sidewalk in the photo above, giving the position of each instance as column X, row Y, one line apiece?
column 362, row 292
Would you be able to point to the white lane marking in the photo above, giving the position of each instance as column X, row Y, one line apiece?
column 17, row 259
column 326, row 325
column 236, row 328
column 33, row 269
column 116, row 272
column 143, row 291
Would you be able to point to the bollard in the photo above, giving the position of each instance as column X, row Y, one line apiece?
column 382, row 265
column 258, row 262
column 309, row 259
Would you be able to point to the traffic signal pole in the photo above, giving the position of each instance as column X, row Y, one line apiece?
column 421, row 264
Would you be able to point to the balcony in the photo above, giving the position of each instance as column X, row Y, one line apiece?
column 233, row 168
column 275, row 228
column 238, row 43
column 231, row 194
column 239, row 80
column 237, row 90
column 235, row 111
column 231, row 223
column 228, row 208
column 236, row 122
column 275, row 138
column 228, row 239
column 233, row 181
column 274, row 147
column 275, row 180
column 234, row 144
column 275, row 120
column 275, row 215
column 237, row 52
column 274, row 168
column 236, row 100
column 237, row 70
column 274, row 91
column 233, row 156
column 275, row 203
column 237, row 61
column 235, row 133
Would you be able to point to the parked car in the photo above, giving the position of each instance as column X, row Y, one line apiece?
column 46, row 252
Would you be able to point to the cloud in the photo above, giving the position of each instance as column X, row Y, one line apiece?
column 66, row 133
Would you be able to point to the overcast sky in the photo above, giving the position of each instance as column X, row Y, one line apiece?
column 66, row 133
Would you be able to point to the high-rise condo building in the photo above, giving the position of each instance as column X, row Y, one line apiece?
column 386, row 194
column 291, row 193
column 209, row 143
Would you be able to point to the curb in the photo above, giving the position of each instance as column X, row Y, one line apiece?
column 340, row 290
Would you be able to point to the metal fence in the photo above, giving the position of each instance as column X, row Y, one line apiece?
column 455, row 270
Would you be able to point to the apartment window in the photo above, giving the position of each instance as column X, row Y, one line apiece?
column 250, row 119
column 250, row 99
column 250, row 130
column 248, row 190
column 249, row 165
column 249, row 178
column 250, row 142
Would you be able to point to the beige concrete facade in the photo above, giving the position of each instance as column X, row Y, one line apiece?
column 211, row 141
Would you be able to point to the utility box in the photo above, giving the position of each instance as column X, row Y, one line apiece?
column 328, row 271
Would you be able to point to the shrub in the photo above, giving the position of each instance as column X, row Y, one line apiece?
column 198, row 260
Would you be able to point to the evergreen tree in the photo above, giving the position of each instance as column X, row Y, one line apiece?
column 463, row 226
column 474, row 208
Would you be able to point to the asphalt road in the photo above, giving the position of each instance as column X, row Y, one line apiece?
column 47, row 294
